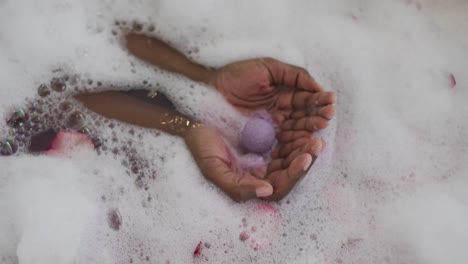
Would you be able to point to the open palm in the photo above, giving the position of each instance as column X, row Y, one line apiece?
column 269, row 84
column 221, row 167
column 299, row 107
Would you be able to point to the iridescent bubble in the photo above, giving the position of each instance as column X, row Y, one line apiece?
column 76, row 120
column 85, row 130
column 43, row 90
column 18, row 118
column 58, row 85
column 66, row 106
column 98, row 141
column 8, row 148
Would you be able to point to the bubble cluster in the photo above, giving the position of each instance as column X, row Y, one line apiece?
column 46, row 112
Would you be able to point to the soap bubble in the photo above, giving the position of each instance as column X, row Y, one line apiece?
column 58, row 85
column 18, row 119
column 114, row 219
column 66, row 106
column 43, row 90
column 76, row 120
column 8, row 147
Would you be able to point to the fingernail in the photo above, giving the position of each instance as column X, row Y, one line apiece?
column 264, row 191
column 308, row 162
column 319, row 148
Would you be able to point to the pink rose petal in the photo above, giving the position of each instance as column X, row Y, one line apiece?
column 197, row 251
column 453, row 80
column 69, row 143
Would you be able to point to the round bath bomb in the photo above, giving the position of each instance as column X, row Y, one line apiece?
column 258, row 135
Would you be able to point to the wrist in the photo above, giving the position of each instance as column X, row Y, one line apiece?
column 203, row 74
column 176, row 124
column 191, row 128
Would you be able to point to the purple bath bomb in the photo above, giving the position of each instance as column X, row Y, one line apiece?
column 258, row 135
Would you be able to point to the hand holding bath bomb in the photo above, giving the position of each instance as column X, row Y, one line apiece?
column 258, row 135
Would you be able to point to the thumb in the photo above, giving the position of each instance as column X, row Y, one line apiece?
column 291, row 76
column 246, row 187
column 253, row 187
column 286, row 179
column 239, row 185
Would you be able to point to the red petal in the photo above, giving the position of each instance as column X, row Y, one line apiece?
column 453, row 80
column 197, row 250
column 66, row 143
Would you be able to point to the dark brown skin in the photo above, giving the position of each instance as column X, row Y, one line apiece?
column 299, row 110
column 128, row 109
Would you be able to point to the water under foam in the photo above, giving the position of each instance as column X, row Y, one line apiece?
column 389, row 187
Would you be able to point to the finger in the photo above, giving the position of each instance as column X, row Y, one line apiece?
column 279, row 164
column 326, row 112
column 303, row 100
column 286, row 149
column 309, row 123
column 313, row 147
column 240, row 186
column 275, row 153
column 280, row 116
column 305, row 143
column 291, row 76
column 285, row 180
column 291, row 135
column 259, row 171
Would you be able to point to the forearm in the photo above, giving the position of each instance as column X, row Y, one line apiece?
column 128, row 109
column 165, row 57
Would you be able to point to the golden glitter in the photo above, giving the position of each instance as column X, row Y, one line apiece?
column 153, row 94
column 179, row 123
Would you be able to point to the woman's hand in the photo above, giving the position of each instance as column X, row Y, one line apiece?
column 277, row 87
column 288, row 165
column 284, row 90
column 297, row 103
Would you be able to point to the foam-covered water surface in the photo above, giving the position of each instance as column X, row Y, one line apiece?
column 390, row 186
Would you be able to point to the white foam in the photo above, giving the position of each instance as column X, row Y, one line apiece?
column 389, row 187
